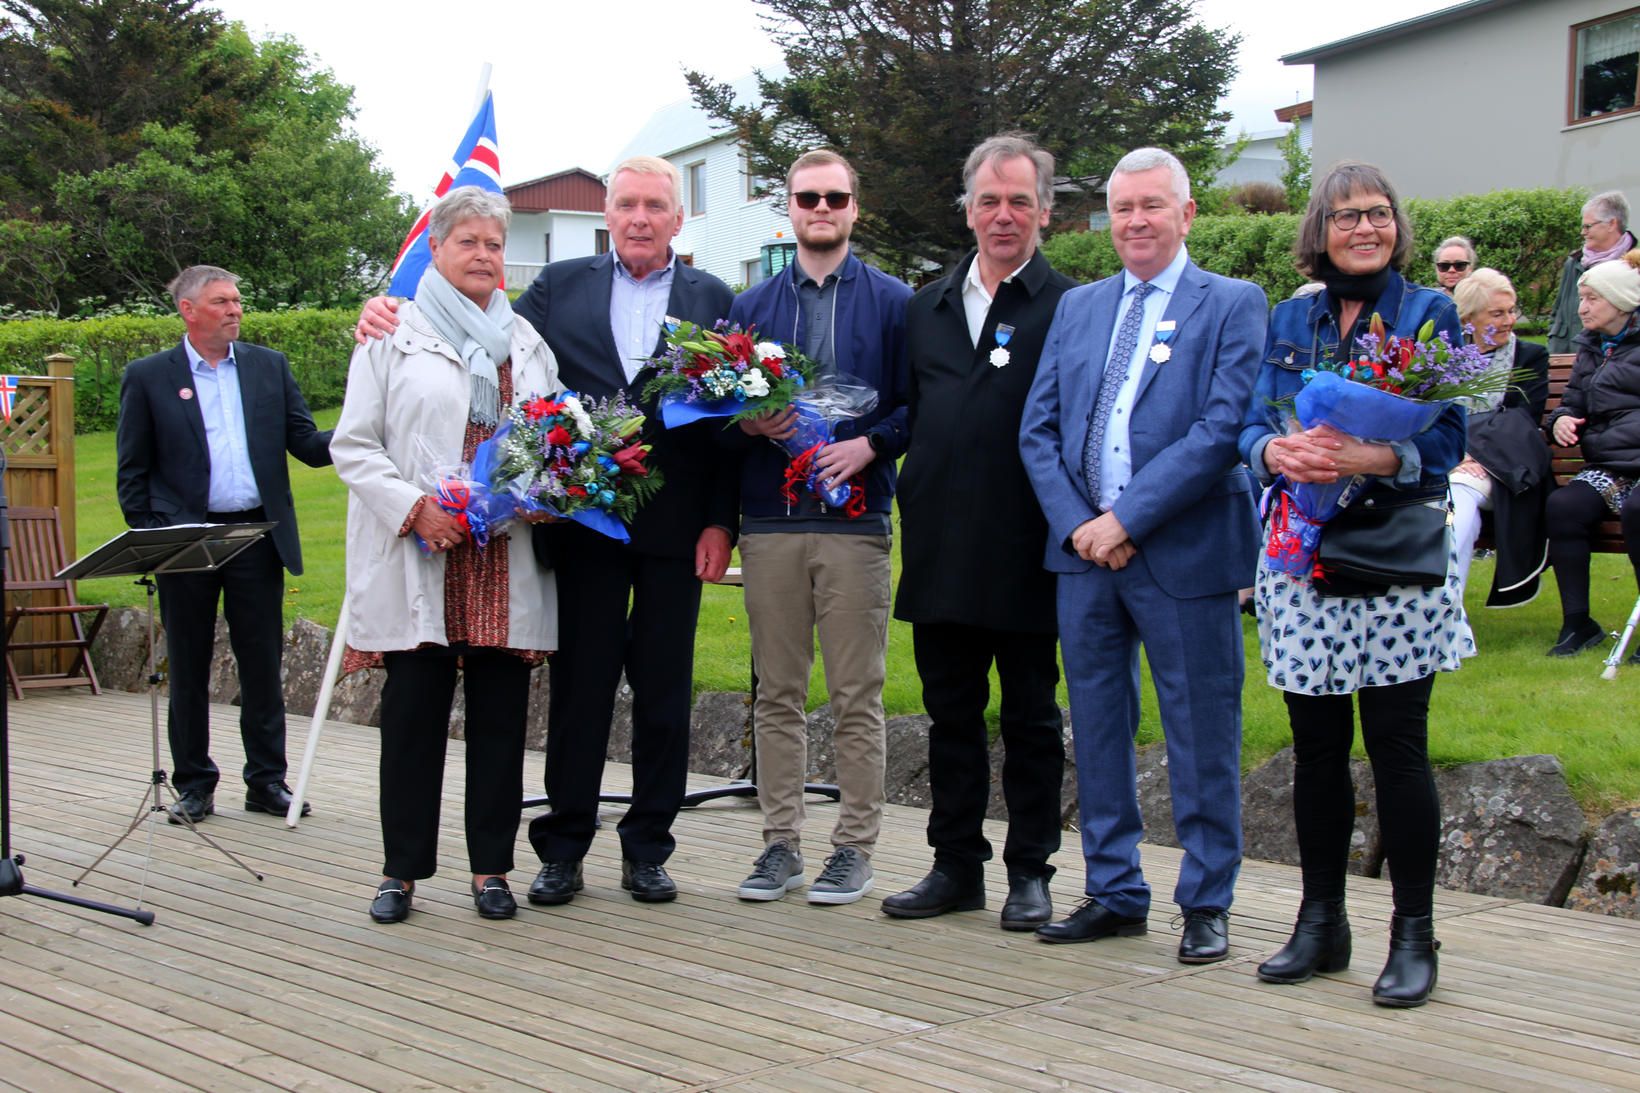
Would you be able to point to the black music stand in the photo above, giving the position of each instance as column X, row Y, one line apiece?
column 144, row 552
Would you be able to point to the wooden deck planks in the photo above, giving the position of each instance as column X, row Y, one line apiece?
column 285, row 984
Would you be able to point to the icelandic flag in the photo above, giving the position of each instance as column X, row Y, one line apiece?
column 8, row 394
column 476, row 163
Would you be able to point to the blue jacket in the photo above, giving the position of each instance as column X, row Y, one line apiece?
column 1304, row 331
column 869, row 338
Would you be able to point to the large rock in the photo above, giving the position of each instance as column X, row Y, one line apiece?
column 1609, row 882
column 357, row 698
column 120, row 652
column 905, row 779
column 307, row 651
column 1155, row 795
column 822, row 749
column 1509, row 827
column 720, row 734
column 224, row 676
column 620, row 725
column 1268, row 832
column 535, row 720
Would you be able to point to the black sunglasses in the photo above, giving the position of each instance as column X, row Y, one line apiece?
column 836, row 199
column 1449, row 267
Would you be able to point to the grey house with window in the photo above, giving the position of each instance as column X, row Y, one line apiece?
column 1487, row 95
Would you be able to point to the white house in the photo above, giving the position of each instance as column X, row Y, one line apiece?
column 1260, row 160
column 556, row 216
column 728, row 230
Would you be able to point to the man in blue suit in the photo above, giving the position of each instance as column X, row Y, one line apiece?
column 1129, row 438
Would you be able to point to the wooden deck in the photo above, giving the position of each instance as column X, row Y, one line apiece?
column 287, row 984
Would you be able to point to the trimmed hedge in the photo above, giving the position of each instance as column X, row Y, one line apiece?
column 318, row 343
column 1525, row 233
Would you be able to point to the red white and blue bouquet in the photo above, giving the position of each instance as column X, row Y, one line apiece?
column 727, row 372
column 1392, row 388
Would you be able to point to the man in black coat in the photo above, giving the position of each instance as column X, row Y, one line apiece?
column 202, row 436
column 972, row 540
column 601, row 317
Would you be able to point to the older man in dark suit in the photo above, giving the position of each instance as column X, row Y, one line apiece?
column 601, row 317
column 972, row 537
column 1129, row 436
column 202, row 436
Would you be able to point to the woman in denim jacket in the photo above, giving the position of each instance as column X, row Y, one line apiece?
column 1383, row 648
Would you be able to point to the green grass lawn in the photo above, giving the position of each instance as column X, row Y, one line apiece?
column 1510, row 700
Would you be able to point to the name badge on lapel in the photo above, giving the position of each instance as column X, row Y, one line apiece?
column 999, row 355
column 1161, row 352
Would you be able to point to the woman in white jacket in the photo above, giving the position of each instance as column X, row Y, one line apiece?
column 417, row 402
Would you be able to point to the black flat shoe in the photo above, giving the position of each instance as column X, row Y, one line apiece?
column 392, row 902
column 1029, row 904
column 1092, row 921
column 935, row 894
column 1574, row 639
column 495, row 899
column 556, row 883
column 1206, row 936
column 1410, row 973
column 1320, row 943
column 275, row 797
column 647, row 881
column 192, row 808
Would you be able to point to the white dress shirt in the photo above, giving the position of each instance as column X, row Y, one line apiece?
column 233, row 483
column 976, row 302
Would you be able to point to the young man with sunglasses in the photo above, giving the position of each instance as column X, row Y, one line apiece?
column 813, row 568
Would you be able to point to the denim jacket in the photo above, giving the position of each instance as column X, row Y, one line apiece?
column 1304, row 331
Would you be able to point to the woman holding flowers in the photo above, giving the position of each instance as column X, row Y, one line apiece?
column 1380, row 649
column 423, row 598
column 1600, row 413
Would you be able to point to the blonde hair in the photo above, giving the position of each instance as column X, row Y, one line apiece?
column 650, row 165
column 1473, row 294
column 820, row 157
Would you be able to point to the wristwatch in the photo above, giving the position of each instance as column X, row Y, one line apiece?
column 876, row 442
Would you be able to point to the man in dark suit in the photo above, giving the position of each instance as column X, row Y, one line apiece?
column 202, row 436
column 1129, row 437
column 601, row 317
column 972, row 537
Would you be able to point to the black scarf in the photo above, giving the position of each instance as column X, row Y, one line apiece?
column 1351, row 286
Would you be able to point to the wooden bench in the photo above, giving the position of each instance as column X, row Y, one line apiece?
column 1608, row 535
column 33, row 560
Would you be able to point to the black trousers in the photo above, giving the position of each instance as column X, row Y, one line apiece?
column 1571, row 514
column 954, row 662
column 416, row 699
column 1395, row 730
column 598, row 579
column 251, row 589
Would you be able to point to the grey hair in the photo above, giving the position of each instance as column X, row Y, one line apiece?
column 188, row 284
column 1474, row 293
column 1148, row 159
column 1611, row 205
column 468, row 203
column 1458, row 241
column 1005, row 146
column 650, row 165
column 1340, row 181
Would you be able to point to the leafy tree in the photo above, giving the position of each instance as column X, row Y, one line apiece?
column 161, row 136
column 1295, row 172
column 905, row 88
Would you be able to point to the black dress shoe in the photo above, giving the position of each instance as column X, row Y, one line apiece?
column 274, row 797
column 392, row 902
column 647, row 881
column 193, row 807
column 557, row 883
column 1320, row 943
column 1206, row 937
column 1029, row 904
column 1409, row 974
column 1574, row 639
column 935, row 894
column 494, row 899
column 1091, row 921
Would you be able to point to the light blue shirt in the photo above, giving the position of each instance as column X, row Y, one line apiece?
column 1116, row 458
column 233, row 483
column 636, row 311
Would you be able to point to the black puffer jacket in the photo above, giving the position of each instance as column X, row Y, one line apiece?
column 1605, row 390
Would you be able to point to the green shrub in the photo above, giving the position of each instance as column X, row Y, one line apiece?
column 318, row 343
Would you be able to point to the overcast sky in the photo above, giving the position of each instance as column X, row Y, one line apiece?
column 574, row 81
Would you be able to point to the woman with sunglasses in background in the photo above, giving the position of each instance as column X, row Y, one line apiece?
column 1454, row 259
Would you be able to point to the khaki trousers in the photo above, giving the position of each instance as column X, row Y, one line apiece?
column 798, row 584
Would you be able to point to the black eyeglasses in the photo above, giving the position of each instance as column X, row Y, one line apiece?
column 836, row 199
column 1449, row 267
column 1379, row 216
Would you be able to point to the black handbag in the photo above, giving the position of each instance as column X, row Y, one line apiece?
column 1383, row 541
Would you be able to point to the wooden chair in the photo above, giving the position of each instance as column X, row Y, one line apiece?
column 32, row 561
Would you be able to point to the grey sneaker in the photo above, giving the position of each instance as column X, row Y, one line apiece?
column 845, row 878
column 777, row 871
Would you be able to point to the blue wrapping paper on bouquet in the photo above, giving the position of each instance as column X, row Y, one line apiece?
column 1299, row 510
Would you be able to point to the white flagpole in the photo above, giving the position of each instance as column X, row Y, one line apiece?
column 333, row 664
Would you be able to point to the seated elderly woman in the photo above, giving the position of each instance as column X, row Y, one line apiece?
column 418, row 403
column 1606, row 236
column 1454, row 259
column 1505, row 467
column 1599, row 412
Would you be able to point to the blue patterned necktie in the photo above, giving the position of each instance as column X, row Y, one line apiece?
column 1116, row 370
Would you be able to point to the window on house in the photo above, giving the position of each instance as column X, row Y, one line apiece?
column 751, row 271
column 546, row 247
column 776, row 257
column 755, row 188
column 696, row 173
column 1606, row 66
column 600, row 241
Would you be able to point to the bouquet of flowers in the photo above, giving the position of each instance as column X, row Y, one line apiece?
column 727, row 372
column 1392, row 389
column 576, row 458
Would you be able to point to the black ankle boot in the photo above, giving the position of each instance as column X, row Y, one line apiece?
column 1409, row 975
column 1320, row 943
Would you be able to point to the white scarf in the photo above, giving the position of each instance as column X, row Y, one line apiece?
column 483, row 338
